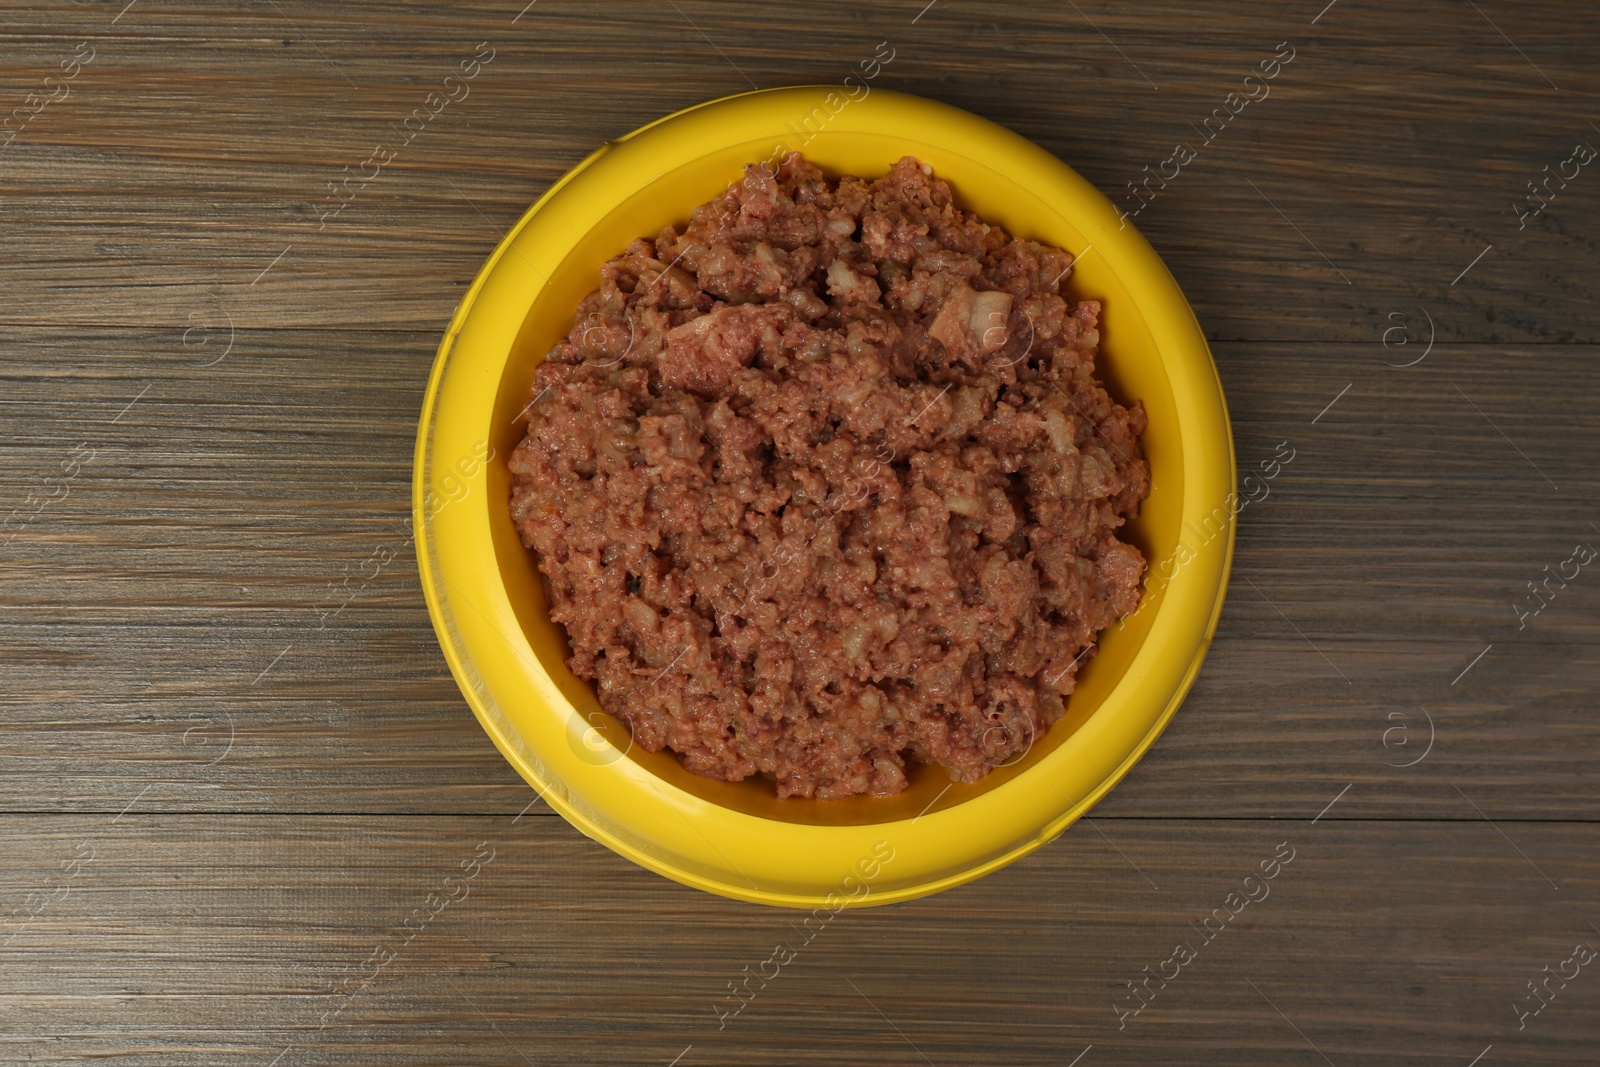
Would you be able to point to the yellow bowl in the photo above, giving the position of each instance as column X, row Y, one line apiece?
column 738, row 839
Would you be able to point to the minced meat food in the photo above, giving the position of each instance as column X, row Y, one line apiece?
column 823, row 484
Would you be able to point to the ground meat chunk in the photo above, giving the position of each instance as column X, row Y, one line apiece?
column 823, row 484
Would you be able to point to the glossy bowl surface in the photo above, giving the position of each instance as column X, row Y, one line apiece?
column 738, row 839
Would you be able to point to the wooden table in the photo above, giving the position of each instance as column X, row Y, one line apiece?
column 226, row 802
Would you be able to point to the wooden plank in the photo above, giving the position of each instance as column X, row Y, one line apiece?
column 188, row 939
column 235, row 562
column 197, row 148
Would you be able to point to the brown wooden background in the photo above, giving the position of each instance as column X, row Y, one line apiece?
column 217, row 805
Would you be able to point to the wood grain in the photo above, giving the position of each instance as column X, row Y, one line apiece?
column 1394, row 942
column 235, row 763
column 1387, row 155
